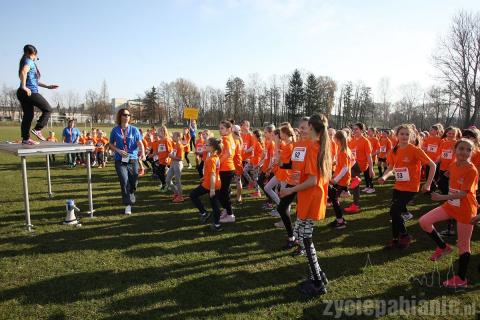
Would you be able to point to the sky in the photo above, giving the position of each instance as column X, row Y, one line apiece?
column 134, row 45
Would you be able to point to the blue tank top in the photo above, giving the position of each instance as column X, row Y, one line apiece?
column 32, row 76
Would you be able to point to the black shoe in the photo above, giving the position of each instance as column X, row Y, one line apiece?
column 204, row 217
column 338, row 225
column 309, row 289
column 289, row 245
column 447, row 233
column 216, row 228
column 298, row 252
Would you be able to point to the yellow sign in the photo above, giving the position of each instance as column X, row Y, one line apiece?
column 190, row 113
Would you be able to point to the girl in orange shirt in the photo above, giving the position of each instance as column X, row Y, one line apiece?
column 406, row 160
column 383, row 150
column 163, row 146
column 199, row 148
column 251, row 169
column 312, row 200
column 296, row 165
column 460, row 205
column 431, row 146
column 375, row 143
column 238, row 161
column 176, row 167
column 227, row 170
column 266, row 170
column 341, row 178
column 210, row 184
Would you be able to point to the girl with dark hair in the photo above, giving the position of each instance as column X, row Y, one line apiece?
column 461, row 205
column 210, row 185
column 126, row 142
column 251, row 170
column 29, row 96
column 312, row 200
column 406, row 160
column 266, row 170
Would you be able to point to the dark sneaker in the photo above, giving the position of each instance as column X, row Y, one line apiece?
column 38, row 134
column 289, row 245
column 338, row 225
column 204, row 217
column 309, row 289
column 393, row 244
column 216, row 228
column 298, row 252
column 404, row 241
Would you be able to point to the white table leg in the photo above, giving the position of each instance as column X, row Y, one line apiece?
column 49, row 180
column 25, row 194
column 89, row 176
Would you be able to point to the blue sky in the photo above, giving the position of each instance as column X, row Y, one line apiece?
column 136, row 44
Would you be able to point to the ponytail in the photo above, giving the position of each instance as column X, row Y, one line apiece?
column 319, row 124
column 27, row 51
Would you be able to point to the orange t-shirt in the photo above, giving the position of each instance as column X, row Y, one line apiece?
column 200, row 147
column 247, row 139
column 361, row 149
column 375, row 143
column 407, row 163
column 298, row 161
column 462, row 178
column 162, row 147
column 385, row 145
column 312, row 202
column 394, row 140
column 267, row 160
column 237, row 158
column 333, row 152
column 212, row 166
column 90, row 141
column 178, row 150
column 447, row 154
column 186, row 142
column 285, row 155
column 476, row 158
column 55, row 139
column 226, row 164
column 100, row 144
column 257, row 152
column 344, row 159
column 431, row 145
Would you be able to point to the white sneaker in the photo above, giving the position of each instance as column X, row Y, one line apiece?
column 370, row 190
column 128, row 210
column 365, row 189
column 189, row 166
column 345, row 194
column 228, row 219
column 275, row 213
column 279, row 224
column 407, row 216
column 223, row 214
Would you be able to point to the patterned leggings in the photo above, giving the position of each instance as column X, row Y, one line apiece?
column 303, row 231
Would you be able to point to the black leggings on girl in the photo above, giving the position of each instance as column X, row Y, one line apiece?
column 333, row 194
column 28, row 104
column 400, row 199
column 282, row 210
column 226, row 178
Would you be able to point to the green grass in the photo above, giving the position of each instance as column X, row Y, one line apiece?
column 161, row 263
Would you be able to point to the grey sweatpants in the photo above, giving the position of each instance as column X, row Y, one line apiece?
column 176, row 168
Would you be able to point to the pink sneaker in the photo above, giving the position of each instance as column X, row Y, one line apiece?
column 353, row 208
column 355, row 182
column 38, row 134
column 439, row 253
column 455, row 282
column 30, row 142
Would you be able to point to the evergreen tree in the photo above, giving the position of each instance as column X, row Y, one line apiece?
column 312, row 96
column 295, row 97
column 150, row 102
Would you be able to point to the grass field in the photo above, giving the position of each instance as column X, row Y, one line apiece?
column 162, row 263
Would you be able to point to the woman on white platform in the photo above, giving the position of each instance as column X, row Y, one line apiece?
column 125, row 141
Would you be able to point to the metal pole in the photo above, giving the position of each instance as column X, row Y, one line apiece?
column 25, row 194
column 89, row 176
column 49, row 180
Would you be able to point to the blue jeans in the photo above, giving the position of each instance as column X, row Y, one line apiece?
column 128, row 175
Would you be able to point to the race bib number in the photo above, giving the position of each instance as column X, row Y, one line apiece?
column 454, row 202
column 383, row 149
column 298, row 154
column 447, row 154
column 126, row 159
column 402, row 174
column 432, row 148
column 200, row 149
column 162, row 148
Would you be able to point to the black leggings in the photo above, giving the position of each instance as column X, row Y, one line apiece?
column 186, row 158
column 333, row 194
column 282, row 210
column 195, row 195
column 161, row 173
column 200, row 169
column 226, row 178
column 356, row 192
column 400, row 199
column 368, row 179
column 262, row 181
column 28, row 103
